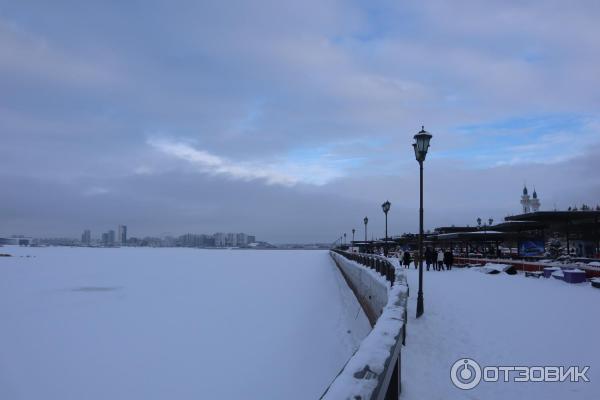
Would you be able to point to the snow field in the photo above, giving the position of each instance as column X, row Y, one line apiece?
column 143, row 323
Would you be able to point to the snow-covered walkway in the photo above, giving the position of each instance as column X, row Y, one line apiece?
column 499, row 320
column 144, row 323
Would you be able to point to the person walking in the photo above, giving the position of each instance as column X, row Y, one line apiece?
column 428, row 257
column 440, row 259
column 406, row 259
column 447, row 256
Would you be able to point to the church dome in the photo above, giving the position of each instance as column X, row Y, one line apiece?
column 534, row 194
column 524, row 190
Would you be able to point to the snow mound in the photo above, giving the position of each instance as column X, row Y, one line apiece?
column 558, row 274
column 575, row 270
column 491, row 268
column 594, row 263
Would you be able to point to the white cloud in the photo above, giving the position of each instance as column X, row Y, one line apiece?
column 96, row 191
column 286, row 172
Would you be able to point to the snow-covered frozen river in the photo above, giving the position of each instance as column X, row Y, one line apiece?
column 142, row 323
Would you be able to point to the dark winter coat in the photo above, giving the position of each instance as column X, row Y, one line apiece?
column 406, row 258
column 429, row 258
column 448, row 258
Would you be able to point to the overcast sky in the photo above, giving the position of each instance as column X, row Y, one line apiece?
column 292, row 120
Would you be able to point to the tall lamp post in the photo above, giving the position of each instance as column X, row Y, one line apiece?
column 353, row 230
column 344, row 238
column 477, row 248
column 335, row 245
column 385, row 207
column 366, row 221
column 421, row 145
column 490, row 222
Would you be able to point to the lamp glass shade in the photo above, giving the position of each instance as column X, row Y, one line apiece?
column 421, row 144
column 366, row 220
column 386, row 207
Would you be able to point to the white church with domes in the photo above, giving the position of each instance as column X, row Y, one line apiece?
column 530, row 204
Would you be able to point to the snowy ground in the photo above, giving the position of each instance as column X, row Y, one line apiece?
column 127, row 323
column 500, row 320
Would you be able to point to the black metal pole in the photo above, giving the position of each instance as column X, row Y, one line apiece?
column 386, row 227
column 385, row 247
column 597, row 239
column 484, row 239
column 568, row 241
column 420, row 294
column 365, row 231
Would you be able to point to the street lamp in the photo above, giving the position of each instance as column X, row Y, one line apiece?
column 479, row 222
column 386, row 207
column 335, row 243
column 490, row 222
column 421, row 145
column 353, row 230
column 344, row 238
column 366, row 221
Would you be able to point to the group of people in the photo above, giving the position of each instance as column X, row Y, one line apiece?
column 439, row 259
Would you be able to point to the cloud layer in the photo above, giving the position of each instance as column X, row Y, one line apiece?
column 286, row 173
column 300, row 115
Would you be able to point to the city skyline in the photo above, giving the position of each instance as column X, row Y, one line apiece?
column 120, row 237
column 528, row 203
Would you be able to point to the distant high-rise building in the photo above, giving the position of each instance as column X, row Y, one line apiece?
column 168, row 241
column 231, row 239
column 241, row 239
column 122, row 235
column 86, row 237
column 219, row 239
column 250, row 239
column 108, row 238
column 190, row 240
column 209, row 241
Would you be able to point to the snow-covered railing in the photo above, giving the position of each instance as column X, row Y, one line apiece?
column 373, row 372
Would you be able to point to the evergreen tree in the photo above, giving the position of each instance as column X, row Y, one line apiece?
column 555, row 248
